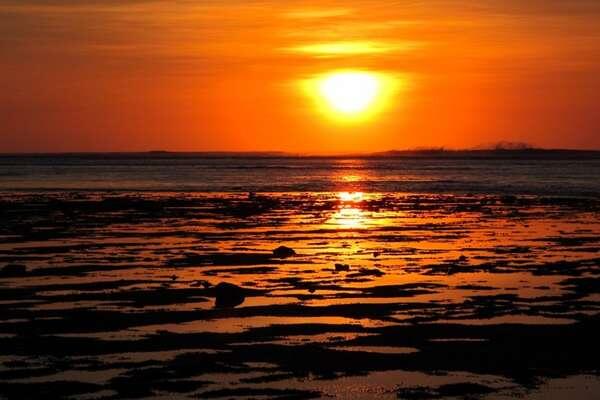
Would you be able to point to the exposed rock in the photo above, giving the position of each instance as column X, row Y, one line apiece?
column 229, row 295
column 509, row 199
column 342, row 267
column 13, row 270
column 283, row 252
column 462, row 390
column 367, row 272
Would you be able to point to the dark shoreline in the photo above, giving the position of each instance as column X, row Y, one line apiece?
column 501, row 154
column 114, row 295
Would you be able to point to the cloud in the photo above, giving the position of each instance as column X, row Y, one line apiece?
column 340, row 49
column 313, row 13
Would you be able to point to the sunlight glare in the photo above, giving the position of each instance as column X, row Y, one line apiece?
column 351, row 95
column 351, row 178
column 353, row 197
column 351, row 217
column 350, row 92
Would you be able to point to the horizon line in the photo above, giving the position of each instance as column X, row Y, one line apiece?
column 282, row 153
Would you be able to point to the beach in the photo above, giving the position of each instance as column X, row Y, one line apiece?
column 292, row 279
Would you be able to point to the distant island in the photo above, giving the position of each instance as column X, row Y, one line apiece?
column 499, row 150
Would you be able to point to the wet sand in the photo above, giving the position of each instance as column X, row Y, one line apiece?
column 113, row 295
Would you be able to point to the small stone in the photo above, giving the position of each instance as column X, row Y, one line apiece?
column 283, row 252
column 367, row 272
column 13, row 270
column 509, row 199
column 228, row 295
column 342, row 267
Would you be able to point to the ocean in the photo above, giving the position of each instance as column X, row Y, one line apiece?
column 158, row 276
column 563, row 173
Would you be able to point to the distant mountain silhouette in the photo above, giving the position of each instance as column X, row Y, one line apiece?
column 499, row 150
column 505, row 145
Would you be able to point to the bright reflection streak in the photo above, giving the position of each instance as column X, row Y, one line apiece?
column 353, row 197
column 349, row 214
column 352, row 178
column 350, row 217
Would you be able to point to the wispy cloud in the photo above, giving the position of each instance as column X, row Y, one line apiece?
column 314, row 13
column 340, row 49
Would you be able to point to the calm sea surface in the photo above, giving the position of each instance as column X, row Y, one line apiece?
column 155, row 290
column 555, row 176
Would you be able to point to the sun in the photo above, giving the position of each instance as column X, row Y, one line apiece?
column 351, row 95
column 350, row 92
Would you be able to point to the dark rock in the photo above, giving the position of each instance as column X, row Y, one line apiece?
column 342, row 267
column 283, row 252
column 509, row 199
column 367, row 272
column 512, row 250
column 462, row 258
column 462, row 390
column 416, row 393
column 228, row 295
column 13, row 270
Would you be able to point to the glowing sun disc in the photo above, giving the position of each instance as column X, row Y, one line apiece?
column 352, row 95
column 350, row 92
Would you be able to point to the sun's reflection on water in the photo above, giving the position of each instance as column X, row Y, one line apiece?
column 350, row 214
column 352, row 178
column 351, row 197
column 350, row 217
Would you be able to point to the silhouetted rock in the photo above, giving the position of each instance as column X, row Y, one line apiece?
column 367, row 272
column 342, row 267
column 283, row 252
column 509, row 199
column 463, row 389
column 459, row 390
column 13, row 270
column 228, row 295
column 462, row 258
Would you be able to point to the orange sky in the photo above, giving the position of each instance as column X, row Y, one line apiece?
column 135, row 75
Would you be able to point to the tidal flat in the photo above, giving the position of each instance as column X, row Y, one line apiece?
column 107, row 295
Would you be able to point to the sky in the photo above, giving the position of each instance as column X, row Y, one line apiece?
column 262, row 75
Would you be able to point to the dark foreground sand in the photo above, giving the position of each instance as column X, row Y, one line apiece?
column 107, row 295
